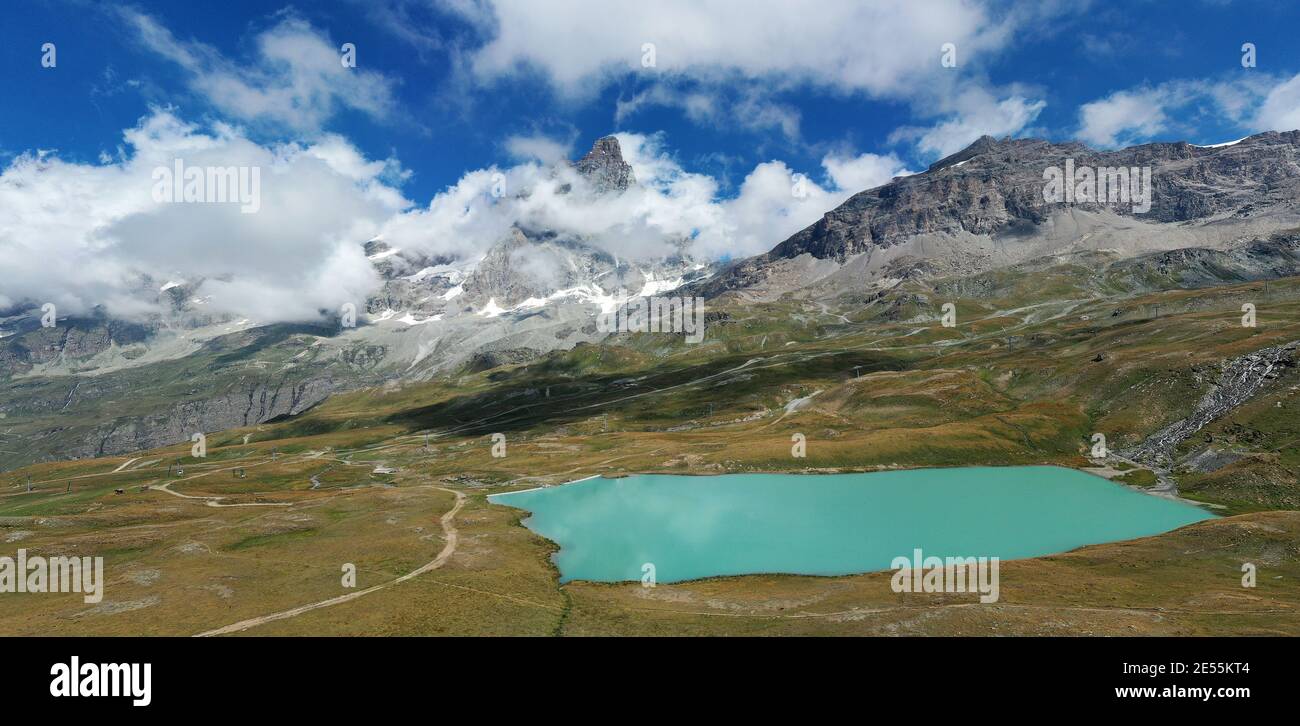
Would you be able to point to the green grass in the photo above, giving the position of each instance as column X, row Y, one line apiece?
column 1139, row 478
column 267, row 540
column 1016, row 388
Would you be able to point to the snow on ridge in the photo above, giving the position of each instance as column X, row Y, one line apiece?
column 452, row 274
column 592, row 294
column 589, row 293
column 1220, row 146
column 654, row 287
column 386, row 253
column 491, row 310
column 406, row 317
column 410, row 319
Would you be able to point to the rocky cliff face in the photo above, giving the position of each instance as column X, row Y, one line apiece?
column 102, row 387
column 71, row 340
column 533, row 291
column 527, row 264
column 1238, row 381
column 97, row 407
column 530, row 266
column 997, row 188
column 257, row 402
column 1270, row 258
column 605, row 168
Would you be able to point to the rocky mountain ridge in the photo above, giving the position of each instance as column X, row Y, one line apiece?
column 533, row 291
column 96, row 386
column 988, row 200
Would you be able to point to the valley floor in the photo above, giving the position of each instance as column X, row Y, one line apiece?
column 433, row 560
column 393, row 481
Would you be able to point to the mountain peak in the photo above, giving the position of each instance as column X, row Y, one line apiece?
column 606, row 145
column 981, row 145
column 1225, row 191
column 604, row 166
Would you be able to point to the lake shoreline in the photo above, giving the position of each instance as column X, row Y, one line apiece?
column 1106, row 473
column 748, row 519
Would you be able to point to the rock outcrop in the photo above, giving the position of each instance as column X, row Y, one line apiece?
column 1239, row 380
column 605, row 168
column 996, row 188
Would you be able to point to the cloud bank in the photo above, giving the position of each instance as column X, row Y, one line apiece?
column 88, row 236
column 1252, row 101
column 296, row 79
column 668, row 205
column 729, row 60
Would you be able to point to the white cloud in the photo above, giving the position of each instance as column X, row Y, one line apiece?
column 750, row 108
column 769, row 208
column 975, row 112
column 86, row 235
column 463, row 220
column 1257, row 102
column 1125, row 116
column 876, row 47
column 539, row 147
column 727, row 62
column 867, row 171
column 668, row 205
column 698, row 106
column 90, row 235
column 1280, row 110
column 296, row 80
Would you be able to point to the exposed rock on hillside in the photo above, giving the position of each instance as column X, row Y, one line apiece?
column 604, row 166
column 987, row 201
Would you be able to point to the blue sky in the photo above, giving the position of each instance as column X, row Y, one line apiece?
column 720, row 106
column 445, row 120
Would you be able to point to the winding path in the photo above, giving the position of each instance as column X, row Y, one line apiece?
column 125, row 464
column 215, row 501
column 447, row 551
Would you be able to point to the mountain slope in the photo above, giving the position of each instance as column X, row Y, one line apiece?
column 984, row 207
column 96, row 386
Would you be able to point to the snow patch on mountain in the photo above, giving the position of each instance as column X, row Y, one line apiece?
column 381, row 255
column 491, row 310
column 1220, row 146
column 410, row 319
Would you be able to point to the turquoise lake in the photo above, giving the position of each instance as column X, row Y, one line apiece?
column 831, row 524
